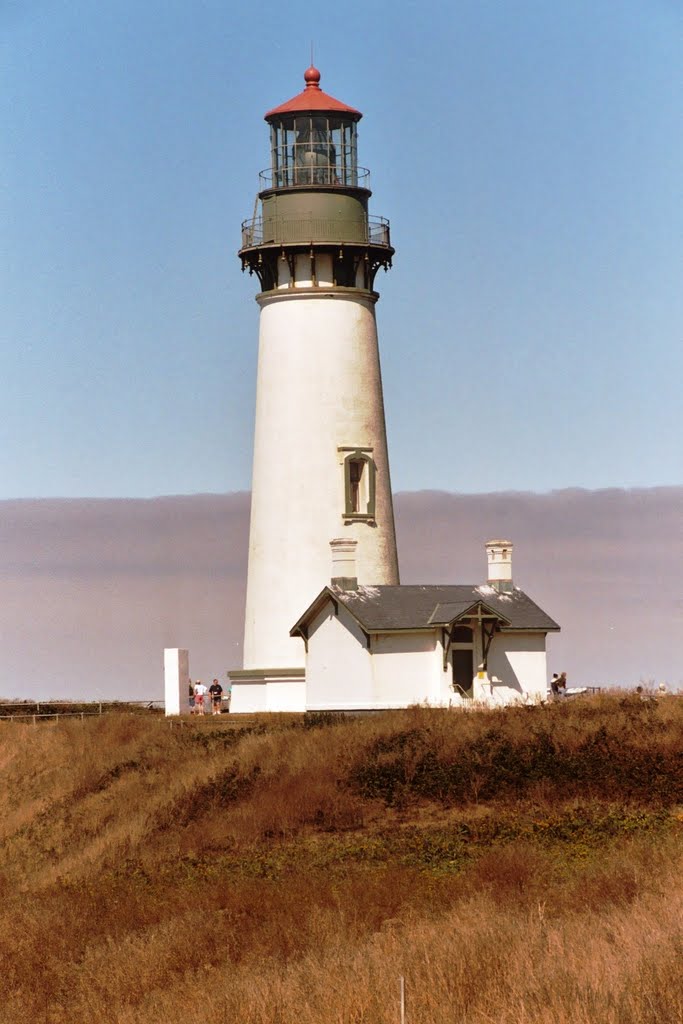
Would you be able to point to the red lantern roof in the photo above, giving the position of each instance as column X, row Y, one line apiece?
column 312, row 100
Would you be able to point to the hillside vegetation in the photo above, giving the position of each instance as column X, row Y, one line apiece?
column 518, row 867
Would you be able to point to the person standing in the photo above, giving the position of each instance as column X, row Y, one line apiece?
column 216, row 691
column 200, row 692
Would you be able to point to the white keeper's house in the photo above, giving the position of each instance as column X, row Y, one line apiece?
column 372, row 647
column 353, row 638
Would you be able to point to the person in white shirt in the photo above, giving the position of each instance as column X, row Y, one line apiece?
column 200, row 692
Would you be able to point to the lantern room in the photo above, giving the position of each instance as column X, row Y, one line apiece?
column 313, row 199
column 313, row 141
column 313, row 149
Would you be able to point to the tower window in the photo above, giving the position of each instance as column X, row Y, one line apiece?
column 359, row 485
column 356, row 467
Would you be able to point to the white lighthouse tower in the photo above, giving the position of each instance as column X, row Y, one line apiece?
column 321, row 467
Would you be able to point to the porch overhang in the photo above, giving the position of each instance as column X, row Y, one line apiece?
column 478, row 614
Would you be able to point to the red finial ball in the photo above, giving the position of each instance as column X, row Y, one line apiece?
column 312, row 78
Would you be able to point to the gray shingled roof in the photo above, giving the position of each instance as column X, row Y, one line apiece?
column 418, row 607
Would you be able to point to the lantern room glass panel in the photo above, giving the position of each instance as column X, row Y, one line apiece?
column 313, row 149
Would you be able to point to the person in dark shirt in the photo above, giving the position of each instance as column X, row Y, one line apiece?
column 216, row 691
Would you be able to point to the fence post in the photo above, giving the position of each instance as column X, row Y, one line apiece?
column 403, row 1000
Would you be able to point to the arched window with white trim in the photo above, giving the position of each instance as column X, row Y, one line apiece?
column 359, row 485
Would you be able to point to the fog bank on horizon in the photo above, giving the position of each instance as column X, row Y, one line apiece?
column 94, row 589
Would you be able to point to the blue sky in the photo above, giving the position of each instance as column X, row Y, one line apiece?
column 528, row 154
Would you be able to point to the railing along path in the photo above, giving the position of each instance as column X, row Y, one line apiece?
column 40, row 710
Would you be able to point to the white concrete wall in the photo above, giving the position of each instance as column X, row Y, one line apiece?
column 518, row 660
column 246, row 698
column 338, row 666
column 176, row 681
column 319, row 387
column 404, row 669
column 277, row 692
column 342, row 674
column 286, row 695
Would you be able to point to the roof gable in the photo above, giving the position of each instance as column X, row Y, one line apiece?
column 448, row 612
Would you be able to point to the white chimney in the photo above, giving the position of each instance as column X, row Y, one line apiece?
column 344, row 574
column 499, row 555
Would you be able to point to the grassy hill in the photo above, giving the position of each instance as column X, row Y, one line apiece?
column 519, row 866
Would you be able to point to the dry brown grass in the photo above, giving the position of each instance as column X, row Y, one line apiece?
column 256, row 871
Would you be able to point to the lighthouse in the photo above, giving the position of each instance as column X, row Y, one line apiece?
column 321, row 465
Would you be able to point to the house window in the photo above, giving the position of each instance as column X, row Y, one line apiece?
column 359, row 485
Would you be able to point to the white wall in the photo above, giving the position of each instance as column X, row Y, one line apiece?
column 176, row 681
column 341, row 673
column 247, row 698
column 338, row 666
column 518, row 660
column 286, row 695
column 404, row 669
column 277, row 692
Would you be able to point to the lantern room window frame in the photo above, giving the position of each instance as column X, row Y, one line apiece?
column 314, row 149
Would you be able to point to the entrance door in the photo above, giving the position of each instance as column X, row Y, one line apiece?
column 463, row 672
